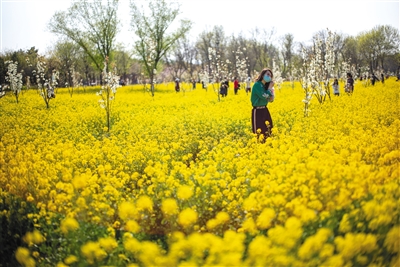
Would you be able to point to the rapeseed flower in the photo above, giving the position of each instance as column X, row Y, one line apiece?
column 249, row 226
column 127, row 210
column 184, row 192
column 93, row 252
column 144, row 203
column 392, row 240
column 132, row 226
column 33, row 238
column 23, row 257
column 169, row 207
column 222, row 217
column 314, row 244
column 108, row 243
column 264, row 220
column 70, row 259
column 187, row 218
column 69, row 224
column 345, row 225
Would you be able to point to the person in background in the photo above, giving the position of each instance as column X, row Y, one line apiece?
column 335, row 87
column 177, row 87
column 223, row 89
column 382, row 78
column 349, row 83
column 261, row 94
column 374, row 79
column 248, row 86
column 226, row 82
column 235, row 85
column 50, row 91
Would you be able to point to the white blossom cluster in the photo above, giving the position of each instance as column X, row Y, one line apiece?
column 318, row 68
column 364, row 73
column 41, row 80
column 14, row 78
column 108, row 89
column 45, row 85
column 219, row 69
column 278, row 80
column 204, row 77
column 329, row 56
column 241, row 65
column 348, row 68
column 55, row 75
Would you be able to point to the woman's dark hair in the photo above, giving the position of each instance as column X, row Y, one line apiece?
column 262, row 73
column 349, row 75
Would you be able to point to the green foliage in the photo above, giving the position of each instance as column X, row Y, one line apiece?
column 14, row 223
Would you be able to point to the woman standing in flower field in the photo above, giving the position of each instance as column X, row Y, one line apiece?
column 261, row 94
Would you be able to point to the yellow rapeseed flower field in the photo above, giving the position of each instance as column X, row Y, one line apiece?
column 180, row 180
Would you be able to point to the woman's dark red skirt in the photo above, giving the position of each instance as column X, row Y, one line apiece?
column 261, row 119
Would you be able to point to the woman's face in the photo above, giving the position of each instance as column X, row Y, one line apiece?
column 269, row 73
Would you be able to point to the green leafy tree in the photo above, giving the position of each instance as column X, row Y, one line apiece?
column 154, row 40
column 93, row 25
column 262, row 47
column 378, row 44
column 287, row 54
column 123, row 61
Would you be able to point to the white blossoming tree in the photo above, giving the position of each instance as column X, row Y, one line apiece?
column 45, row 85
column 219, row 70
column 14, row 78
column 204, row 78
column 318, row 68
column 364, row 74
column 242, row 66
column 108, row 91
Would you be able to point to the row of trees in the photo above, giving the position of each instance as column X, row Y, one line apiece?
column 88, row 29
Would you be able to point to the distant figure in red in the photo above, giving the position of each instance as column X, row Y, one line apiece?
column 236, row 85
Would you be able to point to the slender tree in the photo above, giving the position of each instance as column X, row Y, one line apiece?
column 46, row 85
column 93, row 25
column 108, row 92
column 287, row 54
column 154, row 42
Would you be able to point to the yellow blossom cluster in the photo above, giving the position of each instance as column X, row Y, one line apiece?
column 323, row 190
